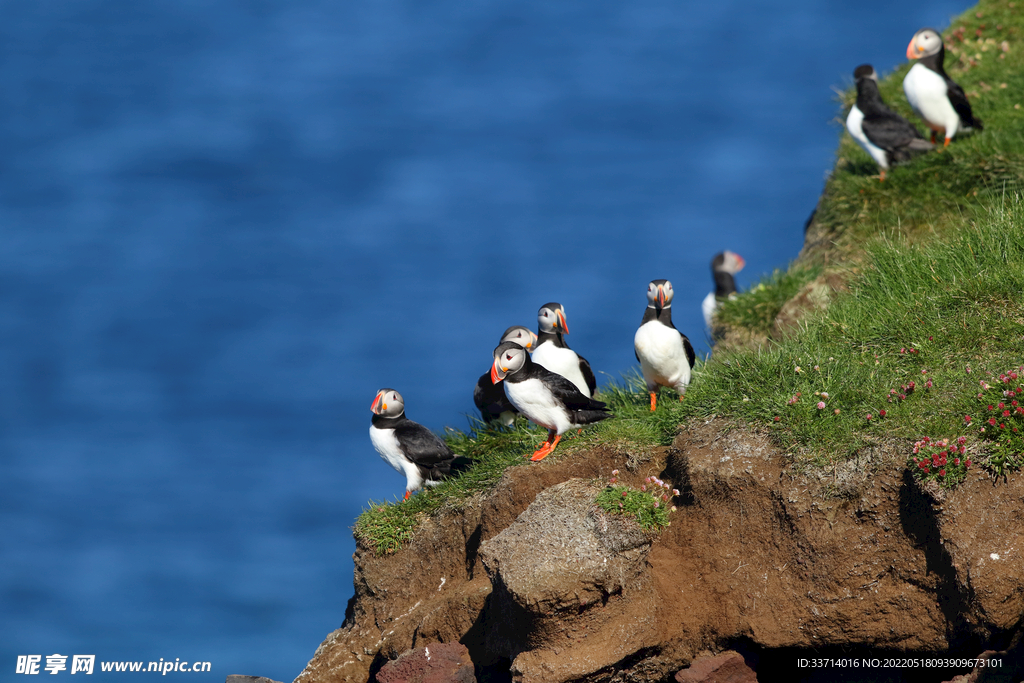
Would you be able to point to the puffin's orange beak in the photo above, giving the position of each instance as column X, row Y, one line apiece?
column 376, row 401
column 561, row 321
column 661, row 296
column 496, row 376
column 911, row 54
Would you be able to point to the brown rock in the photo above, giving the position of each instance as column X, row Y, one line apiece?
column 728, row 667
column 855, row 557
column 437, row 663
column 812, row 298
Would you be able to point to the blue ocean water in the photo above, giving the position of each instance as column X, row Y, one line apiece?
column 225, row 225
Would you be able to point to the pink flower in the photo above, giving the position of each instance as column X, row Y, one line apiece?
column 967, row 419
column 968, row 369
column 928, row 384
column 615, row 473
column 657, row 503
column 836, row 411
column 961, row 440
column 777, row 418
column 821, row 405
column 675, row 492
column 942, row 472
column 868, row 416
column 881, row 413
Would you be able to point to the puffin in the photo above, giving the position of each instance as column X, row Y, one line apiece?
column 544, row 397
column 555, row 355
column 665, row 354
column 724, row 267
column 885, row 135
column 409, row 447
column 489, row 397
column 935, row 96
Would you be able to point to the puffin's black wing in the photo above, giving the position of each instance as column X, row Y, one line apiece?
column 588, row 374
column 691, row 357
column 490, row 399
column 958, row 99
column 566, row 393
column 422, row 447
column 889, row 131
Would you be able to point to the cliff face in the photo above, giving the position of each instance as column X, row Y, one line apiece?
column 536, row 581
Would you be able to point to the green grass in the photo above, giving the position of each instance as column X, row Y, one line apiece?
column 757, row 309
column 935, row 260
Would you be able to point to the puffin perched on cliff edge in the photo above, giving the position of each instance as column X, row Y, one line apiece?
column 409, row 447
column 555, row 355
column 545, row 398
column 885, row 135
column 724, row 267
column 665, row 354
column 489, row 397
column 936, row 97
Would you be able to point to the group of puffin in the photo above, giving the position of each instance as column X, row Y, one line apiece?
column 934, row 96
column 541, row 378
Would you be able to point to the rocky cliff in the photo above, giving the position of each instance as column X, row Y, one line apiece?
column 860, row 561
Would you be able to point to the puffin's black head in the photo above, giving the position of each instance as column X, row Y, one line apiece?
column 388, row 403
column 659, row 294
column 727, row 262
column 925, row 43
column 520, row 335
column 551, row 318
column 865, row 71
column 509, row 358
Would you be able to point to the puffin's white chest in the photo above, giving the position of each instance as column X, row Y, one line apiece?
column 854, row 123
column 562, row 362
column 926, row 92
column 534, row 400
column 662, row 356
column 386, row 443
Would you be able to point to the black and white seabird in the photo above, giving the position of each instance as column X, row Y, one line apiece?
column 885, row 135
column 545, row 398
column 935, row 96
column 409, row 447
column 489, row 397
column 724, row 267
column 555, row 355
column 665, row 354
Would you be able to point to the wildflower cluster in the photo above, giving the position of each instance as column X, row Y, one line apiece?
column 650, row 505
column 1002, row 420
column 939, row 461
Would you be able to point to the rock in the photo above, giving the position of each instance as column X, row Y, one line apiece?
column 436, row 663
column 815, row 296
column 728, row 667
column 571, row 591
column 238, row 678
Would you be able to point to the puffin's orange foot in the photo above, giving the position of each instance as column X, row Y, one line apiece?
column 654, row 401
column 545, row 449
column 946, row 143
column 881, row 176
column 682, row 396
column 407, row 494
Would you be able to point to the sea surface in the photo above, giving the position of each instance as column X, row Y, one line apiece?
column 225, row 225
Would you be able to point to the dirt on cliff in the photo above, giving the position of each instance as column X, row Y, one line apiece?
column 761, row 558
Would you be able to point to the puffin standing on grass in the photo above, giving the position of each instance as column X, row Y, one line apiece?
column 665, row 354
column 489, row 397
column 545, row 398
column 935, row 96
column 555, row 355
column 724, row 267
column 409, row 447
column 885, row 135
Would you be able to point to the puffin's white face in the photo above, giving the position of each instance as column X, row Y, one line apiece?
column 925, row 42
column 733, row 263
column 551, row 317
column 520, row 335
column 659, row 293
column 509, row 358
column 388, row 403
